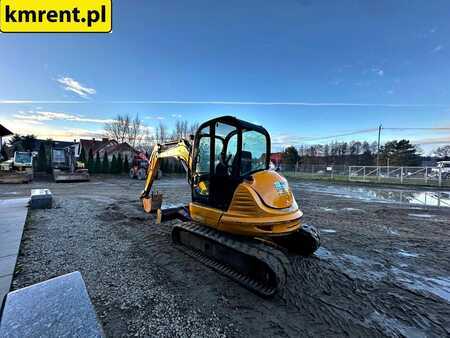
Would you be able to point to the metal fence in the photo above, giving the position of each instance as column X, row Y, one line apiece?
column 432, row 176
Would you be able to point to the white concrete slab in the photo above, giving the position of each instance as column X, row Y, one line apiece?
column 13, row 213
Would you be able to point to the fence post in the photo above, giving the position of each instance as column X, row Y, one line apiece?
column 440, row 176
column 378, row 173
column 364, row 173
column 426, row 175
column 349, row 172
column 332, row 172
column 401, row 175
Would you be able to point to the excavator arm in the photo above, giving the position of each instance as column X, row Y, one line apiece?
column 180, row 150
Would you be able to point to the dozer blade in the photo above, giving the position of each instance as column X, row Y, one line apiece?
column 253, row 264
column 65, row 176
column 303, row 242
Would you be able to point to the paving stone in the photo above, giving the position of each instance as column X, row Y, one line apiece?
column 40, row 199
column 5, row 285
column 13, row 213
column 58, row 307
column 10, row 243
column 7, row 265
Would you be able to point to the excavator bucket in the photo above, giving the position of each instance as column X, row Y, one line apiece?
column 152, row 203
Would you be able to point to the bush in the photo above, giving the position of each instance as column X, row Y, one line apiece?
column 126, row 165
column 91, row 163
column 113, row 168
column 105, row 163
column 119, row 164
column 42, row 163
column 98, row 164
column 83, row 156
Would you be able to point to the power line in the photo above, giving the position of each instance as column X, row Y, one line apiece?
column 363, row 131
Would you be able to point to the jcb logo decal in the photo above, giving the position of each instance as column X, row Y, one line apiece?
column 55, row 16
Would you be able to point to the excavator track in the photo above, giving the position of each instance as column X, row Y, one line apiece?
column 255, row 265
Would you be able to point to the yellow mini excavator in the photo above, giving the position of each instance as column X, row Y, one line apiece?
column 243, row 217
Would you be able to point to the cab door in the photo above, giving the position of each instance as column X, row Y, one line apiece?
column 202, row 166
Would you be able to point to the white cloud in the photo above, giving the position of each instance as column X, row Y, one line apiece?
column 438, row 48
column 378, row 71
column 43, row 131
column 154, row 117
column 433, row 140
column 76, row 87
column 177, row 116
column 54, row 116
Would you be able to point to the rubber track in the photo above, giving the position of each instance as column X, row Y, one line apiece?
column 273, row 258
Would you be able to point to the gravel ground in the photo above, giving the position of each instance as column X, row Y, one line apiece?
column 383, row 269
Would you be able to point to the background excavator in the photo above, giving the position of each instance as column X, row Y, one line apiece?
column 243, row 218
column 19, row 169
column 65, row 167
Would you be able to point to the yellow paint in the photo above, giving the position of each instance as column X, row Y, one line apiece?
column 265, row 184
column 56, row 16
column 249, row 215
column 178, row 150
column 205, row 215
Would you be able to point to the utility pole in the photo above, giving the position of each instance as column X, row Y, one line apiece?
column 378, row 150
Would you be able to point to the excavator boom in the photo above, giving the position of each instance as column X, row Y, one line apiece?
column 177, row 149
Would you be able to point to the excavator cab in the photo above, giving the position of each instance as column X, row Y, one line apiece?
column 227, row 151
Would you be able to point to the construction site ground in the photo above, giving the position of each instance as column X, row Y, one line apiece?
column 383, row 268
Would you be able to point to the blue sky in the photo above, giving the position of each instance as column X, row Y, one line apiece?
column 304, row 69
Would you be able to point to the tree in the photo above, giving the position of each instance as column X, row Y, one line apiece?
column 126, row 129
column 105, row 163
column 98, row 164
column 119, row 164
column 90, row 163
column 113, row 168
column 161, row 133
column 4, row 155
column 400, row 153
column 119, row 128
column 290, row 156
column 22, row 143
column 42, row 162
column 14, row 139
column 83, row 156
column 443, row 152
column 181, row 129
column 126, row 165
column 28, row 142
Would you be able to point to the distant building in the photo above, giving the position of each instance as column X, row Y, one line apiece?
column 34, row 144
column 111, row 147
column 3, row 132
column 277, row 159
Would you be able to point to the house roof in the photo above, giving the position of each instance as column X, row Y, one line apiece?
column 95, row 145
column 110, row 146
column 120, row 148
column 4, row 131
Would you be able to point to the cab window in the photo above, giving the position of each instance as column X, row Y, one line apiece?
column 204, row 151
column 225, row 148
column 254, row 149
